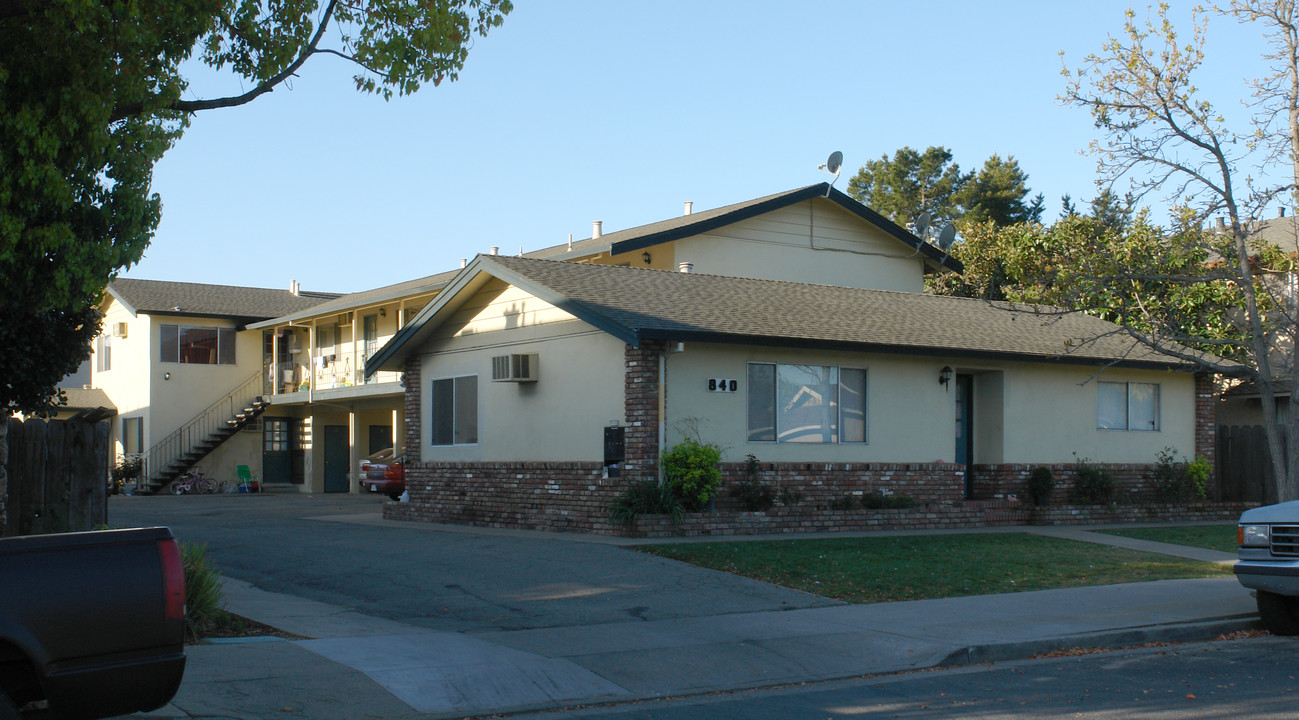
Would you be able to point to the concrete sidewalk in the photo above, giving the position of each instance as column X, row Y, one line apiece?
column 359, row 666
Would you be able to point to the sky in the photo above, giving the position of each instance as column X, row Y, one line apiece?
column 574, row 111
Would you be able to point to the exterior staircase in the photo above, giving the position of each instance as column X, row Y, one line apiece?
column 177, row 453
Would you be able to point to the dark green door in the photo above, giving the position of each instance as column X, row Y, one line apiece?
column 965, row 428
column 277, row 448
column 337, row 453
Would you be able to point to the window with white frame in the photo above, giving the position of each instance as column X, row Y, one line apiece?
column 197, row 344
column 103, row 353
column 454, row 411
column 806, row 403
column 1127, row 406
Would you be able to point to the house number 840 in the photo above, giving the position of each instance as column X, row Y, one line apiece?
column 722, row 385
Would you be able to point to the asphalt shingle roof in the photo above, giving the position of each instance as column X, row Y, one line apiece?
column 643, row 304
column 246, row 304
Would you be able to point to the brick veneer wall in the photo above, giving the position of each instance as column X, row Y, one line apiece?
column 822, row 483
column 414, row 422
column 641, row 409
column 1206, row 424
column 539, row 496
column 995, row 481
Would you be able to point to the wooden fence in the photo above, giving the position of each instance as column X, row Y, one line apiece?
column 1244, row 463
column 58, row 476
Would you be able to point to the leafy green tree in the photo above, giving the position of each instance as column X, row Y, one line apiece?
column 998, row 193
column 91, row 98
column 1162, row 135
column 911, row 183
column 1168, row 289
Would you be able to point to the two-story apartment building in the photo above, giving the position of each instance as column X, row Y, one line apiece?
column 805, row 306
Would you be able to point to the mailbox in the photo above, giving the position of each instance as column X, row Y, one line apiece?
column 615, row 449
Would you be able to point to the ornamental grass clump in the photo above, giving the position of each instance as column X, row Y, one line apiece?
column 204, row 595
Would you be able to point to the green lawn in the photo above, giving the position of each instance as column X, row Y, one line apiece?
column 885, row 569
column 1212, row 537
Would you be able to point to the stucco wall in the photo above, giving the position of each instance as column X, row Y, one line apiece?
column 558, row 418
column 1024, row 412
column 813, row 241
column 192, row 387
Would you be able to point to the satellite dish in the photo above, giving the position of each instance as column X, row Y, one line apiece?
column 946, row 237
column 834, row 162
column 832, row 165
column 922, row 222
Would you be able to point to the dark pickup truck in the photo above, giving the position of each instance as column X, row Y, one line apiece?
column 92, row 624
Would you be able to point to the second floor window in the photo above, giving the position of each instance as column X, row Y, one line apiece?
column 197, row 344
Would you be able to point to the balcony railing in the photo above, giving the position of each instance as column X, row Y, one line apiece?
column 325, row 372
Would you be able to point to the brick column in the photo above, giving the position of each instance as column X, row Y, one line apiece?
column 1206, row 423
column 641, row 409
column 413, row 421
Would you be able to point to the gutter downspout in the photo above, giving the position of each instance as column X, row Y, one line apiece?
column 663, row 401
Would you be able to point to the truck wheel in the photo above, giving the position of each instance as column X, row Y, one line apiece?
column 1280, row 613
column 7, row 709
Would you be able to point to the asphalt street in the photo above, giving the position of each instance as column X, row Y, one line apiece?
column 1248, row 678
column 443, row 578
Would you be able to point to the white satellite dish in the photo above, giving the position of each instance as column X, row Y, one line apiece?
column 946, row 237
column 922, row 222
column 832, row 165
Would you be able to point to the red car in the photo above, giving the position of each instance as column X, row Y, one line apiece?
column 385, row 474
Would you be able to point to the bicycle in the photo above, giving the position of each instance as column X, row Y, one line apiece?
column 194, row 481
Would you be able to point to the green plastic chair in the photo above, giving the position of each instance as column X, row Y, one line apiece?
column 247, row 481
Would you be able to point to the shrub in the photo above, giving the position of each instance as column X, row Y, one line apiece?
column 880, row 501
column 1092, row 484
column 847, row 502
column 126, row 470
column 1041, row 483
column 789, row 497
column 750, row 491
column 204, row 595
column 1174, row 480
column 690, row 470
column 645, row 497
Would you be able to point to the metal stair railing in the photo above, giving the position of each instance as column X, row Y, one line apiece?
column 202, row 426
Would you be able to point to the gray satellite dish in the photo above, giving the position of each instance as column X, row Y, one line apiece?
column 834, row 162
column 832, row 165
column 946, row 237
column 922, row 222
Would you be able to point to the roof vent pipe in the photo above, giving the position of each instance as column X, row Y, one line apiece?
column 493, row 250
column 1222, row 223
column 597, row 228
column 690, row 207
column 685, row 266
column 463, row 263
column 294, row 288
column 570, row 242
column 1280, row 212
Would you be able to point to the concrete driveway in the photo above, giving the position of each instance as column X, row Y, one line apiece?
column 337, row 549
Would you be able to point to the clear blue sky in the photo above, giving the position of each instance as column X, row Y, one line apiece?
column 617, row 111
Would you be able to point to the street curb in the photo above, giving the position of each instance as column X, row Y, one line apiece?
column 1171, row 633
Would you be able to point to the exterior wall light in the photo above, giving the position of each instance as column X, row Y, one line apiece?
column 945, row 375
column 166, row 376
column 646, row 257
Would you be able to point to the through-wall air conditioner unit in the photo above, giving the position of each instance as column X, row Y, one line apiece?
column 119, row 329
column 514, row 368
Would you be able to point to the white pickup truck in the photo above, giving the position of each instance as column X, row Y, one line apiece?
column 1269, row 563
